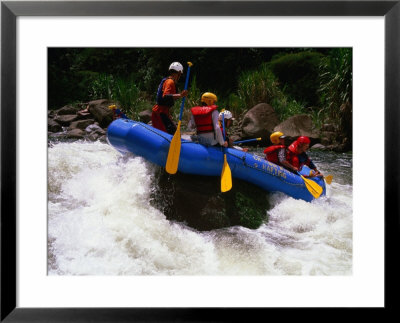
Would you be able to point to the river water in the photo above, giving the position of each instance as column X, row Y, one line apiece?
column 101, row 222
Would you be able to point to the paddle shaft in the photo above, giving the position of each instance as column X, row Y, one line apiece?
column 247, row 140
column 185, row 88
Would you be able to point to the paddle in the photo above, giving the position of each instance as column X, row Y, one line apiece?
column 226, row 175
column 248, row 140
column 312, row 186
column 328, row 179
column 175, row 147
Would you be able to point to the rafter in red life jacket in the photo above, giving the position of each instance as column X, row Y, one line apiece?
column 203, row 118
column 271, row 153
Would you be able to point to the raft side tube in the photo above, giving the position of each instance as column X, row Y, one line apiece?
column 153, row 145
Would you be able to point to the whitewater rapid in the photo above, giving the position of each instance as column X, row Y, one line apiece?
column 101, row 222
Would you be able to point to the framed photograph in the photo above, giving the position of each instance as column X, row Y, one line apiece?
column 60, row 261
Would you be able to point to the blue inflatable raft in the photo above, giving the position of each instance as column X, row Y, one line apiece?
column 152, row 144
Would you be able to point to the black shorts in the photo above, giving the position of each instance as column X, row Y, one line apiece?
column 169, row 125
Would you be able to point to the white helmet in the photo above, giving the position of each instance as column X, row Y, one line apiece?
column 227, row 115
column 176, row 66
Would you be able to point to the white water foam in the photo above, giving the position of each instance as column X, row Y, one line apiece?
column 101, row 222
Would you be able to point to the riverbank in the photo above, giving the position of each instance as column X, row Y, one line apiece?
column 89, row 121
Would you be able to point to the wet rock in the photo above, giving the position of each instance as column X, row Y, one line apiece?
column 51, row 114
column 95, row 128
column 145, row 116
column 76, row 134
column 53, row 126
column 56, row 136
column 298, row 125
column 66, row 119
column 101, row 113
column 68, row 109
column 259, row 121
column 198, row 202
column 318, row 147
column 84, row 116
column 93, row 136
column 103, row 139
column 81, row 124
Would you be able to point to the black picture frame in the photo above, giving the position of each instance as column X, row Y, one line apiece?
column 10, row 10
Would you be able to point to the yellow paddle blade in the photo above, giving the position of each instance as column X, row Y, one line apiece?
column 226, row 177
column 312, row 187
column 328, row 179
column 174, row 151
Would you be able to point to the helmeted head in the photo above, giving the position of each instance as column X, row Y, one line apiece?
column 303, row 140
column 303, row 143
column 276, row 136
column 209, row 98
column 176, row 66
column 227, row 115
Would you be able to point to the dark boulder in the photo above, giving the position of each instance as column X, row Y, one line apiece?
column 145, row 116
column 318, row 147
column 76, row 134
column 68, row 109
column 53, row 126
column 65, row 120
column 198, row 202
column 81, row 124
column 101, row 113
column 94, row 128
column 298, row 125
column 259, row 121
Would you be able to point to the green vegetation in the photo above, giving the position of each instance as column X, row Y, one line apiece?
column 298, row 75
column 121, row 90
column 258, row 86
column 336, row 81
column 300, row 80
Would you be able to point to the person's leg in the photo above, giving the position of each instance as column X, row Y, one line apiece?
column 168, row 124
column 157, row 122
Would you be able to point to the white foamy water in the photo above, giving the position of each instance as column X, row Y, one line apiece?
column 101, row 222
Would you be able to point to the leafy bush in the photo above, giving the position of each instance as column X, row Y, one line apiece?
column 298, row 75
column 261, row 86
column 121, row 90
column 101, row 87
column 234, row 104
column 286, row 108
column 257, row 87
column 336, row 85
column 194, row 97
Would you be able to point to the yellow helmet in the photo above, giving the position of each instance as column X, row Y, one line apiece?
column 275, row 137
column 209, row 98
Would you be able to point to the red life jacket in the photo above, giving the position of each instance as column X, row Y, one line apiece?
column 203, row 118
column 292, row 155
column 271, row 153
